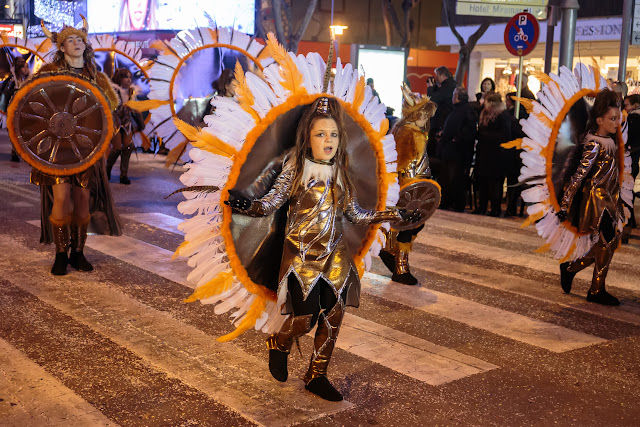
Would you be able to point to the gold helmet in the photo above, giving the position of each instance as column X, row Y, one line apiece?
column 415, row 103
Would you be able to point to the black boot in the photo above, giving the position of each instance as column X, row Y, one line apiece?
column 60, row 264
column 602, row 297
column 60, row 230
column 566, row 277
column 111, row 160
column 78, row 239
column 324, row 342
column 388, row 259
column 279, row 344
column 321, row 387
column 278, row 365
column 124, row 164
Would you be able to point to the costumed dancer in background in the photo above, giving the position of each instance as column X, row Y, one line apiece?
column 10, row 86
column 128, row 121
column 69, row 201
column 318, row 277
column 592, row 201
column 411, row 136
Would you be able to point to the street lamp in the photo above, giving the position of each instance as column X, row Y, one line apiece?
column 337, row 30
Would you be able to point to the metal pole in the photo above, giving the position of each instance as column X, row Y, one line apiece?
column 627, row 11
column 568, row 32
column 519, row 90
column 552, row 21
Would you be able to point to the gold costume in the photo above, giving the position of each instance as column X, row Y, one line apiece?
column 411, row 145
column 592, row 201
column 314, row 248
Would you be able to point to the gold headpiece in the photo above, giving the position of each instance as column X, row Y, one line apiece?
column 414, row 102
column 59, row 37
column 323, row 106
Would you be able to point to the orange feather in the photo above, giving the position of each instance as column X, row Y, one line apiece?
column 245, row 97
column 358, row 97
column 291, row 76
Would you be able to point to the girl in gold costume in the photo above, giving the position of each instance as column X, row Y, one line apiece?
column 592, row 201
column 318, row 277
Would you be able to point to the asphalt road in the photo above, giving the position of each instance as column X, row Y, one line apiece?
column 488, row 338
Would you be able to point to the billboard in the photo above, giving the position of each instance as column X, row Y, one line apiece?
column 112, row 16
column 388, row 78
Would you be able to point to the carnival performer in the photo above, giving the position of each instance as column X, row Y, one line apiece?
column 128, row 122
column 411, row 136
column 592, row 201
column 65, row 212
column 318, row 277
column 10, row 86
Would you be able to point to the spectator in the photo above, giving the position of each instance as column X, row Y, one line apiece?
column 494, row 128
column 632, row 106
column 392, row 119
column 525, row 92
column 373, row 90
column 511, row 160
column 440, row 90
column 456, row 151
column 487, row 85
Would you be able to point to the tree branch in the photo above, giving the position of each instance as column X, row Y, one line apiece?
column 311, row 8
column 473, row 39
column 448, row 4
column 276, row 5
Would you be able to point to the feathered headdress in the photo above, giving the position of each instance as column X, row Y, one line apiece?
column 59, row 37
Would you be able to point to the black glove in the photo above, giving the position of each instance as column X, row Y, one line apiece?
column 237, row 201
column 411, row 216
column 562, row 215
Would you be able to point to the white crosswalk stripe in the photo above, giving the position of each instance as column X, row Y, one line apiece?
column 510, row 325
column 357, row 336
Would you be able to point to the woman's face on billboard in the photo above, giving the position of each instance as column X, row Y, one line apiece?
column 137, row 13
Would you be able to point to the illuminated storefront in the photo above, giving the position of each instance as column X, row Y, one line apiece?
column 597, row 38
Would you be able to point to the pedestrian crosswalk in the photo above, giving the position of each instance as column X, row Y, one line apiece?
column 132, row 305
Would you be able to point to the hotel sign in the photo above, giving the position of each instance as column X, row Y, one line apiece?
column 537, row 8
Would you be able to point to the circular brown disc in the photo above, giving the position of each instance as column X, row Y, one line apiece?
column 422, row 195
column 62, row 123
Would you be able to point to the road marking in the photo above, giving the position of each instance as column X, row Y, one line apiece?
column 510, row 325
column 22, row 204
column 549, row 293
column 452, row 365
column 532, row 261
column 223, row 371
column 31, row 396
column 404, row 353
column 500, row 322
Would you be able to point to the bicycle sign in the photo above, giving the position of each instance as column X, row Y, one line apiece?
column 521, row 34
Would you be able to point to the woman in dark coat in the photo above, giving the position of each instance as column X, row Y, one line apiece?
column 494, row 128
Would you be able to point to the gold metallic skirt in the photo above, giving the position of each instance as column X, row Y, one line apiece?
column 83, row 179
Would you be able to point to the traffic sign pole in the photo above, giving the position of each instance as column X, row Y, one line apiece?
column 519, row 90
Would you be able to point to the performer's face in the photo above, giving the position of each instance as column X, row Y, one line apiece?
column 137, row 13
column 422, row 120
column 629, row 106
column 73, row 46
column 324, row 138
column 125, row 82
column 609, row 123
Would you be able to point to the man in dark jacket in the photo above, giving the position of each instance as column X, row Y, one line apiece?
column 456, row 151
column 440, row 91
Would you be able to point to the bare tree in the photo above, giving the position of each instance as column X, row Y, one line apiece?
column 283, row 22
column 466, row 47
column 391, row 18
